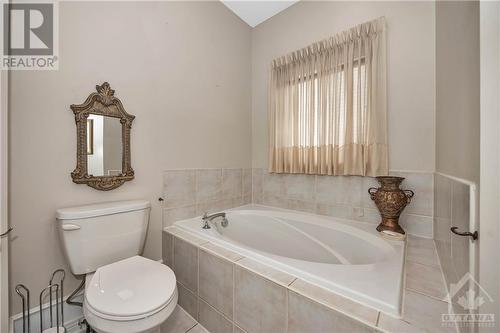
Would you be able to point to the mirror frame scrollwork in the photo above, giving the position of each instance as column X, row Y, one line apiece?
column 103, row 102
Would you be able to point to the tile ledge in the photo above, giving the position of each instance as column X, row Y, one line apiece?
column 220, row 252
column 185, row 236
column 365, row 319
column 267, row 272
column 388, row 324
column 426, row 295
column 413, row 261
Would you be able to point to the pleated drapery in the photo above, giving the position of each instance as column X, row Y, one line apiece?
column 328, row 108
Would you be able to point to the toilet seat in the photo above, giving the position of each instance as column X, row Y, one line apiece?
column 145, row 325
column 134, row 289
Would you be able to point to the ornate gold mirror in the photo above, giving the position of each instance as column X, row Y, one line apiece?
column 103, row 141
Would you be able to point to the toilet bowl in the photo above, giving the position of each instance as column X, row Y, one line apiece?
column 124, row 292
column 135, row 295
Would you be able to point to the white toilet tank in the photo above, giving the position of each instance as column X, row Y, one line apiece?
column 96, row 235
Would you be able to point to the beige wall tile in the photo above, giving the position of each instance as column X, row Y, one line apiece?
column 442, row 232
column 300, row 187
column 339, row 190
column 188, row 301
column 334, row 210
column 178, row 322
column 344, row 197
column 460, row 218
column 442, row 224
column 208, row 185
column 422, row 250
column 334, row 301
column 451, row 209
column 232, row 203
column 216, row 282
column 212, row 320
column 232, row 183
column 270, row 199
column 425, row 279
column 186, row 264
column 444, row 253
column 422, row 183
column 247, row 182
column 179, row 188
column 305, row 315
column 172, row 215
column 303, row 206
column 370, row 215
column 442, row 198
column 257, row 199
column 257, row 186
column 210, row 206
column 167, row 248
column 367, row 183
column 418, row 225
column 273, row 184
column 247, row 199
column 259, row 304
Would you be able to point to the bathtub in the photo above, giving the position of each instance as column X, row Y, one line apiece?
column 347, row 257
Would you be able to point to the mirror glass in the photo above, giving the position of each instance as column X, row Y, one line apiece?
column 104, row 145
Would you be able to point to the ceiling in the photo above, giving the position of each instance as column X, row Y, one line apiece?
column 256, row 12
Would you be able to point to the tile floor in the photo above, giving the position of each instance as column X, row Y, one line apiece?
column 423, row 296
column 181, row 322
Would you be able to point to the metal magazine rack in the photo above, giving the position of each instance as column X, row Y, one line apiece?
column 54, row 291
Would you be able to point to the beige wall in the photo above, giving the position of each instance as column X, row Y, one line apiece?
column 457, row 89
column 183, row 69
column 411, row 52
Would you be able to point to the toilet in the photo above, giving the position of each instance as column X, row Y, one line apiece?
column 124, row 292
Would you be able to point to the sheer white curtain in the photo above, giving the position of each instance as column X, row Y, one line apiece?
column 327, row 106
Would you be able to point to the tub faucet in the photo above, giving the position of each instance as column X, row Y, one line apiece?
column 208, row 218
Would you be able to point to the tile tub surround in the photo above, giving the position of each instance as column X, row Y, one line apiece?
column 238, row 294
column 191, row 192
column 345, row 196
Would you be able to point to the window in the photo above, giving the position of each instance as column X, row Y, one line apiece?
column 334, row 95
column 322, row 120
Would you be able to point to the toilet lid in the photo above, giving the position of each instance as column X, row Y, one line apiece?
column 131, row 287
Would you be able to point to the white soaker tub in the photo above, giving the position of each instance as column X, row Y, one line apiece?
column 347, row 257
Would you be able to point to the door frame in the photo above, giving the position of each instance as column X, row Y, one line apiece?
column 4, row 216
column 489, row 210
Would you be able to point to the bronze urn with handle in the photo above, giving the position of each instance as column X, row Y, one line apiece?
column 390, row 200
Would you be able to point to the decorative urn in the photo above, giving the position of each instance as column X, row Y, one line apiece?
column 390, row 200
